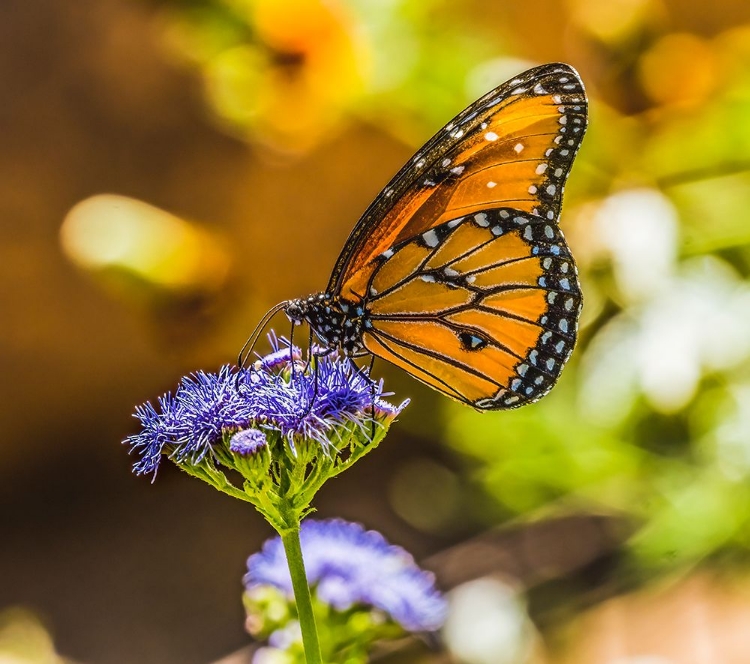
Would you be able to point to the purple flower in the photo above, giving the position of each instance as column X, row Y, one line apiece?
column 349, row 566
column 247, row 442
column 278, row 394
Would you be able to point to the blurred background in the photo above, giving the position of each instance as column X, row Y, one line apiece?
column 172, row 168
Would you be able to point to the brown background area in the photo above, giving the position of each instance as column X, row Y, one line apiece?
column 122, row 571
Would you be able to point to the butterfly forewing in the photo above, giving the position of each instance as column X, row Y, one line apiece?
column 487, row 314
column 512, row 148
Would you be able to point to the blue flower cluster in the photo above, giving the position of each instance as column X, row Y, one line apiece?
column 277, row 394
column 349, row 566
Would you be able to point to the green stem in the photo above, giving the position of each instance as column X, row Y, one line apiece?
column 290, row 538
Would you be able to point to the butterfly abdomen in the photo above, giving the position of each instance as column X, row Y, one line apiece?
column 337, row 323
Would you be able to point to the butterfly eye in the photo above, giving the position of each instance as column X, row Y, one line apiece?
column 294, row 311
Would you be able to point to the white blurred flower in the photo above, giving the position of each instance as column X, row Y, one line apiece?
column 638, row 229
column 732, row 437
column 699, row 321
column 487, row 624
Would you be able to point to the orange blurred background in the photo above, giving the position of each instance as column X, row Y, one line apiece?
column 171, row 169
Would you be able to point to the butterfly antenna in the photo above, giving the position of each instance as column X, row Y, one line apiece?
column 247, row 348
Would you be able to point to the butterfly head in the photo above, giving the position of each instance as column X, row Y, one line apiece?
column 335, row 322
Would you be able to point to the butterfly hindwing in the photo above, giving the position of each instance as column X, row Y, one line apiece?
column 483, row 308
column 514, row 148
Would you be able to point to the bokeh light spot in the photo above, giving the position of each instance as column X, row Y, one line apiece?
column 108, row 232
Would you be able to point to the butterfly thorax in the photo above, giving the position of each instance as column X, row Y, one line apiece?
column 336, row 322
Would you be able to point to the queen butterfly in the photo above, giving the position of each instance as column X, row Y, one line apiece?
column 458, row 271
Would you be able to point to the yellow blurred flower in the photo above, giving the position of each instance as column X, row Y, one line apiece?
column 294, row 81
column 679, row 69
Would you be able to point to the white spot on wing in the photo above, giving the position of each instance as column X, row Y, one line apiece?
column 430, row 238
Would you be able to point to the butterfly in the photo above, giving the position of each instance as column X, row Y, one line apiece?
column 458, row 272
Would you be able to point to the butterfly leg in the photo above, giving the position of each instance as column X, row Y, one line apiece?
column 312, row 359
column 291, row 348
column 368, row 376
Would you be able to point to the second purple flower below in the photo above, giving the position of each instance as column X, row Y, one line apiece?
column 367, row 589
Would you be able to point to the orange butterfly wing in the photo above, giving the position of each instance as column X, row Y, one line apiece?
column 465, row 278
column 514, row 147
column 483, row 308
